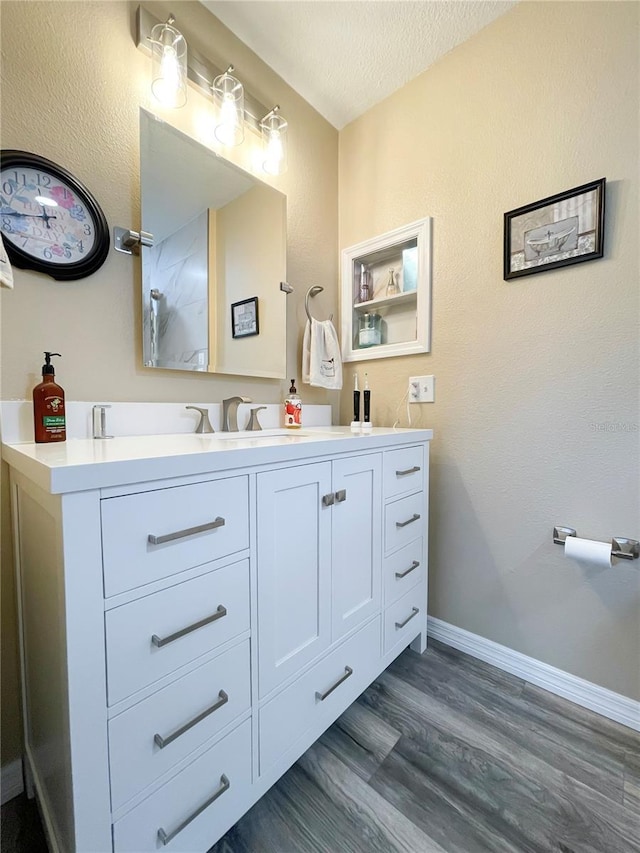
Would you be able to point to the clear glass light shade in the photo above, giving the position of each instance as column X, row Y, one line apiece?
column 274, row 143
column 168, row 66
column 228, row 100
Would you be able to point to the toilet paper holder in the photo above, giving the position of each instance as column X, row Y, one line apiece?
column 621, row 547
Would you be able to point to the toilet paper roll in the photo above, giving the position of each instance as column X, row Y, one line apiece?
column 589, row 551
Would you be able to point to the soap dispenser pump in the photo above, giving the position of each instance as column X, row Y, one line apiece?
column 49, row 421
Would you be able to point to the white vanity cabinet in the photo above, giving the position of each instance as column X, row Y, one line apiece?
column 192, row 621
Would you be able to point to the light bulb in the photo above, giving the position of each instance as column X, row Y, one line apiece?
column 169, row 69
column 274, row 153
column 227, row 126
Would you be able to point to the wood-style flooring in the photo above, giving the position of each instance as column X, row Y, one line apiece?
column 443, row 753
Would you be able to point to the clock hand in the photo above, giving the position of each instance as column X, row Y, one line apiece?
column 30, row 215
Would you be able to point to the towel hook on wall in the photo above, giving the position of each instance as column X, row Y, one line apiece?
column 313, row 291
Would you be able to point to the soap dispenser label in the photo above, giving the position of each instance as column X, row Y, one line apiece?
column 292, row 412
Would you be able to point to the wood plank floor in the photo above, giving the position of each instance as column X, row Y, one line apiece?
column 442, row 753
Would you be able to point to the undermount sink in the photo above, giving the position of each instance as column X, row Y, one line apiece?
column 268, row 433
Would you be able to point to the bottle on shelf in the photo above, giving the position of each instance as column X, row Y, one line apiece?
column 365, row 292
column 392, row 285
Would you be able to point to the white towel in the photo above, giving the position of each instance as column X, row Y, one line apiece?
column 321, row 361
column 6, row 273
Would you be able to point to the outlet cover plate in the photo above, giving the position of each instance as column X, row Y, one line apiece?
column 422, row 389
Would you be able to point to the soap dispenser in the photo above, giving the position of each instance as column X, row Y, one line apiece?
column 293, row 408
column 49, row 421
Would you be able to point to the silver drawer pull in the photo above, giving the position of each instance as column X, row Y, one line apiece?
column 165, row 741
column 166, row 837
column 162, row 641
column 190, row 531
column 413, row 566
column 414, row 611
column 327, row 500
column 413, row 518
column 347, row 672
column 408, row 471
column 341, row 495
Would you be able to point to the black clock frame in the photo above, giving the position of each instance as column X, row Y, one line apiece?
column 11, row 158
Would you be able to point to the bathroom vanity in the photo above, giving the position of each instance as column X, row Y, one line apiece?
column 195, row 610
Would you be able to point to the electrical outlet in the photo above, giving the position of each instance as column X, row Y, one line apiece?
column 422, row 389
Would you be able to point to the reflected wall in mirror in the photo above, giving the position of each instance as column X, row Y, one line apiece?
column 219, row 237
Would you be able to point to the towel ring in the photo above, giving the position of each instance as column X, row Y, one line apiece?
column 313, row 291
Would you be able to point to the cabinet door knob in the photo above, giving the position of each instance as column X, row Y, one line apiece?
column 341, row 496
column 327, row 500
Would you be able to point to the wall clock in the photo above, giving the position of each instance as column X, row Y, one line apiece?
column 49, row 221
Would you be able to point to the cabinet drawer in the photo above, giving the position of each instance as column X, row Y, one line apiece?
column 403, row 471
column 224, row 770
column 176, row 515
column 403, row 570
column 404, row 520
column 300, row 707
column 176, row 618
column 404, row 619
column 150, row 738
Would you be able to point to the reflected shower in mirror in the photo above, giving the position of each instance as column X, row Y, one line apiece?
column 219, row 238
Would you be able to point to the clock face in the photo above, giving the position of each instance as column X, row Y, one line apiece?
column 49, row 222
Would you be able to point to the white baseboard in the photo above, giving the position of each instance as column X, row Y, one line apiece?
column 599, row 699
column 11, row 780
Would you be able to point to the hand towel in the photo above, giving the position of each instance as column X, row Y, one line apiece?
column 321, row 361
column 6, row 273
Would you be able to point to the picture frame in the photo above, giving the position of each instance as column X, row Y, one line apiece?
column 244, row 318
column 563, row 229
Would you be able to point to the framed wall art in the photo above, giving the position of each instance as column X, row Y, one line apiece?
column 244, row 318
column 563, row 229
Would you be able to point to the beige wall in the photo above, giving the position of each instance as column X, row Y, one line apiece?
column 544, row 99
column 72, row 84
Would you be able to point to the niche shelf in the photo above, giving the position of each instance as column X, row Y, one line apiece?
column 404, row 318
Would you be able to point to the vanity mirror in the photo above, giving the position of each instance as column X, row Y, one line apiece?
column 219, row 238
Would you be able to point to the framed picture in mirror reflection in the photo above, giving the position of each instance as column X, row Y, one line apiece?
column 244, row 318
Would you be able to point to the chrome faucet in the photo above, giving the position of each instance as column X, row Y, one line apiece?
column 230, row 413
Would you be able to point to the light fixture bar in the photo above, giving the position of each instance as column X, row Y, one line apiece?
column 200, row 71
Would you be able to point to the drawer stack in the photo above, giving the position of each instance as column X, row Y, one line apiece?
column 178, row 661
column 405, row 486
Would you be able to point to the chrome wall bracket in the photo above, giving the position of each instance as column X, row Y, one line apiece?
column 621, row 547
column 129, row 242
column 561, row 533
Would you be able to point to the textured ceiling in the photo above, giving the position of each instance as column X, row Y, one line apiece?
column 344, row 56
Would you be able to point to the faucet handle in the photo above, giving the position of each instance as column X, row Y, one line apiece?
column 254, row 423
column 204, row 424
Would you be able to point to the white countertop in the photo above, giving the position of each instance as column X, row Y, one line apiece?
column 82, row 464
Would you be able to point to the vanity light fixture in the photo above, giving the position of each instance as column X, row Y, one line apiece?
column 274, row 142
column 228, row 100
column 168, row 64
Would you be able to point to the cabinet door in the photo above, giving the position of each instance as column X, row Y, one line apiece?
column 356, row 542
column 294, row 578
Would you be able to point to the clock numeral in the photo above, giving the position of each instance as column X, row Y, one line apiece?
column 48, row 253
column 8, row 187
column 87, row 230
column 6, row 224
column 43, row 180
column 80, row 246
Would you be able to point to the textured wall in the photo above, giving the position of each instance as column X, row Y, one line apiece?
column 72, row 84
column 536, row 415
